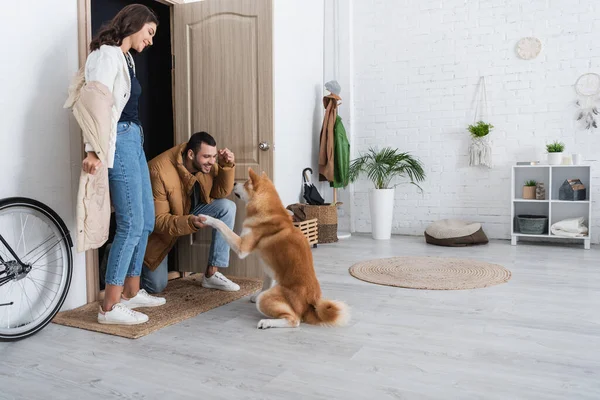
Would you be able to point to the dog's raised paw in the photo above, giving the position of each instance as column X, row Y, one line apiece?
column 207, row 220
column 264, row 324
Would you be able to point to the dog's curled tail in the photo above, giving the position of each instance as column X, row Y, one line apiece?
column 329, row 313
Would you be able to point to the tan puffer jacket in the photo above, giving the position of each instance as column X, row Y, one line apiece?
column 172, row 186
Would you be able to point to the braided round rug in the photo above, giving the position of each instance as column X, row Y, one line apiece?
column 435, row 273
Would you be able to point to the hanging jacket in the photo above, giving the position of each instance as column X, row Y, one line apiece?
column 341, row 156
column 326, row 142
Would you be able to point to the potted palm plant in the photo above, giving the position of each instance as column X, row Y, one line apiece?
column 381, row 167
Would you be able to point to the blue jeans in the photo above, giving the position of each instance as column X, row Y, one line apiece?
column 131, row 197
column 223, row 209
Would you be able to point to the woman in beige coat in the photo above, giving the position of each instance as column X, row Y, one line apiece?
column 110, row 81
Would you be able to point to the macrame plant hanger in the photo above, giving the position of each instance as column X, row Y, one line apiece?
column 480, row 150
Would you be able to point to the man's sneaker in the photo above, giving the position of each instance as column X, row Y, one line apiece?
column 121, row 315
column 220, row 282
column 143, row 299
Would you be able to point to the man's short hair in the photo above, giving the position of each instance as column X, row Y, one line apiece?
column 196, row 141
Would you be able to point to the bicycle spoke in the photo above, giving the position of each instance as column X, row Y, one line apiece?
column 8, row 298
column 20, row 302
column 46, row 271
column 48, row 262
column 37, row 247
column 51, row 298
column 39, row 292
column 22, row 235
column 54, row 245
column 54, row 283
column 28, row 300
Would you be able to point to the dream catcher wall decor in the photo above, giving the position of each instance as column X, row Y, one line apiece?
column 587, row 88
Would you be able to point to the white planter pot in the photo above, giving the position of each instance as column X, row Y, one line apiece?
column 555, row 158
column 381, row 202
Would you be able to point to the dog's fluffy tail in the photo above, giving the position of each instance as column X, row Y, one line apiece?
column 328, row 313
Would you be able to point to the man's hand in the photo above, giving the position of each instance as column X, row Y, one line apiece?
column 91, row 164
column 198, row 221
column 226, row 156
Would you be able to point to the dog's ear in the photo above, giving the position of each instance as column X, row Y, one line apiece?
column 264, row 175
column 252, row 175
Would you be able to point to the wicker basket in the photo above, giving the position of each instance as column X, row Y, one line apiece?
column 310, row 229
column 327, row 219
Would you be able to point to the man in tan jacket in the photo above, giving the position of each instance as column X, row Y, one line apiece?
column 187, row 181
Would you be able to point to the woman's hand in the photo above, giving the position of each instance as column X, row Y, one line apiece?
column 91, row 163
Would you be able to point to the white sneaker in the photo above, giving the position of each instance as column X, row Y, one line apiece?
column 121, row 315
column 143, row 299
column 220, row 282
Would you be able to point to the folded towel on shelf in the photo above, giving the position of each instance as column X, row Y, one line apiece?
column 571, row 227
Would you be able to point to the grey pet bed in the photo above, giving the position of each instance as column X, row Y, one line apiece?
column 455, row 233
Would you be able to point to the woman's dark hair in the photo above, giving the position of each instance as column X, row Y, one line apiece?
column 196, row 141
column 127, row 22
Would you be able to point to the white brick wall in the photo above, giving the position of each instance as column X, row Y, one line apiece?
column 416, row 69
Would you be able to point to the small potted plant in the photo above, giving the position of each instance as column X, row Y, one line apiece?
column 381, row 167
column 555, row 152
column 529, row 189
column 480, row 129
column 480, row 150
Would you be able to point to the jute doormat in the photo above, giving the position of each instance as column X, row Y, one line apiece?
column 437, row 273
column 186, row 298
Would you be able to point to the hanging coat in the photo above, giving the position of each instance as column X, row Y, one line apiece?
column 327, row 140
column 341, row 156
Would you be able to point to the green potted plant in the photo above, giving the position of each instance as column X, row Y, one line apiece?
column 381, row 167
column 555, row 152
column 480, row 150
column 529, row 189
column 480, row 129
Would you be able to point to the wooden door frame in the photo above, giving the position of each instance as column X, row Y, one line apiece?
column 84, row 37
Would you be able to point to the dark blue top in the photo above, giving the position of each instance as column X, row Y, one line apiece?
column 130, row 112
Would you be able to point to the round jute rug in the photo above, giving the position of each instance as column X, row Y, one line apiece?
column 436, row 273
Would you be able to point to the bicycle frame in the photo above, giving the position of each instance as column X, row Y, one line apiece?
column 4, row 279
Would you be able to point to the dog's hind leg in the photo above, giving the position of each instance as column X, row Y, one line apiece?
column 268, row 283
column 274, row 304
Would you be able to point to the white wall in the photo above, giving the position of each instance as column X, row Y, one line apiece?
column 36, row 146
column 416, row 67
column 298, row 91
column 337, row 65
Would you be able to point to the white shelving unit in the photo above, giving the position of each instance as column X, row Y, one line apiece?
column 553, row 176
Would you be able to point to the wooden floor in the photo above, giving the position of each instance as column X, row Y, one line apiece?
column 536, row 337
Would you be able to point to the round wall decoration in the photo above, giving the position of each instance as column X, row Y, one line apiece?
column 529, row 48
column 588, row 84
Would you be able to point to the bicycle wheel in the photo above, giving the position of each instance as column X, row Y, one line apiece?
column 33, row 290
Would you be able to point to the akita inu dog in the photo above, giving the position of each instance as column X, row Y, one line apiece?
column 286, row 255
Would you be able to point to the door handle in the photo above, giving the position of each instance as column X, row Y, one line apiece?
column 264, row 146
